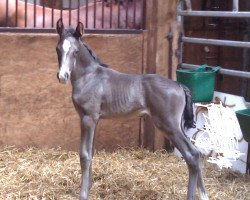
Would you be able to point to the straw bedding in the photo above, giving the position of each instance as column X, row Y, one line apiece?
column 126, row 174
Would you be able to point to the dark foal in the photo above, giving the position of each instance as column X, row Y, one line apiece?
column 99, row 92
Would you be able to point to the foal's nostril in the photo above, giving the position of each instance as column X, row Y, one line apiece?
column 66, row 75
column 63, row 78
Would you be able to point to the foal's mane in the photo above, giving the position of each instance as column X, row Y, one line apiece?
column 94, row 56
column 71, row 32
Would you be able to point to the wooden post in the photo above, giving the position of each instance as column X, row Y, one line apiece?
column 150, row 67
column 159, row 14
column 175, row 56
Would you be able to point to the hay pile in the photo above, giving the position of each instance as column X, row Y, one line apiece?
column 126, row 174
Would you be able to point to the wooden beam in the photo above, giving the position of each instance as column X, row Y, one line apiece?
column 159, row 15
column 148, row 130
column 175, row 55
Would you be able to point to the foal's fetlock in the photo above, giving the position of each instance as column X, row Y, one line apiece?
column 193, row 163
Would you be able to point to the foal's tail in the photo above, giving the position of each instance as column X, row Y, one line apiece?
column 188, row 113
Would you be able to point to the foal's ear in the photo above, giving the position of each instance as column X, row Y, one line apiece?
column 79, row 30
column 60, row 26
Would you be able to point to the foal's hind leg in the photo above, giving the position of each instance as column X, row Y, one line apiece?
column 191, row 156
column 201, row 187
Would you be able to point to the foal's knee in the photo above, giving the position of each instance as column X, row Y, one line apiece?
column 85, row 157
column 85, row 160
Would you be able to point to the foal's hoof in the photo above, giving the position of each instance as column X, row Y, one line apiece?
column 83, row 197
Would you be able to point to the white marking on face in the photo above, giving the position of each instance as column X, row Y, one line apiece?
column 65, row 68
column 66, row 45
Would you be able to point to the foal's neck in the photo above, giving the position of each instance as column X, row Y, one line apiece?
column 85, row 64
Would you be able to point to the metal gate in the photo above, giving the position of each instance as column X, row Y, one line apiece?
column 235, row 13
column 120, row 16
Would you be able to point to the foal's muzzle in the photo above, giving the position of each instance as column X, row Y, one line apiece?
column 63, row 78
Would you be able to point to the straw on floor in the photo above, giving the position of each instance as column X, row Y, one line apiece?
column 126, row 174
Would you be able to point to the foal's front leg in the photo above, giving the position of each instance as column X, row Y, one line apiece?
column 88, row 125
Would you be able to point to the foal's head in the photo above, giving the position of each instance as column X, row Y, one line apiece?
column 67, row 49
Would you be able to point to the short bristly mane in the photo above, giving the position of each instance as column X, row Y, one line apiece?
column 94, row 56
column 71, row 32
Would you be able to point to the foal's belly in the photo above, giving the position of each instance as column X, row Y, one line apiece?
column 122, row 114
column 124, row 107
column 123, row 96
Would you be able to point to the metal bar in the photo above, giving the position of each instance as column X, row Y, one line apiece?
column 236, row 5
column 119, row 14
column 228, row 72
column 214, row 14
column 16, row 12
column 34, row 13
column 134, row 14
column 143, row 13
column 61, row 12
column 25, row 13
column 114, row 31
column 70, row 2
column 26, row 30
column 87, row 13
column 43, row 14
column 94, row 13
column 102, row 13
column 111, row 14
column 188, row 5
column 127, row 2
column 52, row 30
column 236, row 73
column 180, row 19
column 52, row 14
column 229, row 43
column 7, row 13
column 78, row 11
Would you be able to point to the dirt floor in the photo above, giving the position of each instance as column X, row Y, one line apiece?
column 123, row 175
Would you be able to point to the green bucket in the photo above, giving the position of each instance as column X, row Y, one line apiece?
column 200, row 81
column 244, row 121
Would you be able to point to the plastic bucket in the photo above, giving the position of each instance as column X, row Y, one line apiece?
column 244, row 121
column 200, row 81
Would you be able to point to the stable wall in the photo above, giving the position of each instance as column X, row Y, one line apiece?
column 35, row 110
